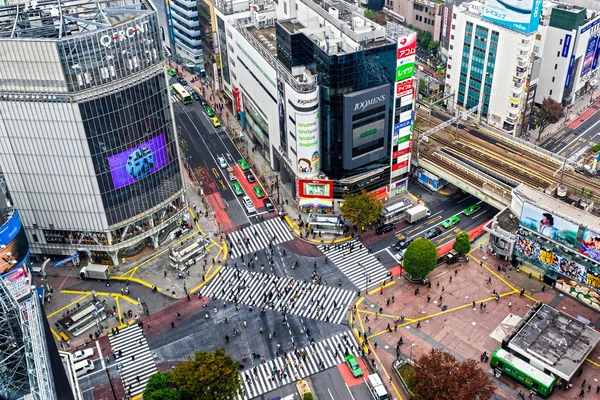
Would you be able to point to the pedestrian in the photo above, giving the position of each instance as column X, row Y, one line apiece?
column 178, row 316
column 584, row 382
column 226, row 338
column 474, row 305
column 418, row 324
column 450, row 279
column 164, row 274
column 172, row 324
column 428, row 298
column 137, row 378
column 582, row 393
column 509, row 304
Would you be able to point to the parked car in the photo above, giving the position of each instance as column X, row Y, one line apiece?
column 258, row 191
column 215, row 121
column 472, row 210
column 433, row 232
column 209, row 111
column 243, row 164
column 237, row 188
column 203, row 103
column 82, row 355
column 269, row 205
column 385, row 228
column 195, row 95
column 450, row 222
column 222, row 162
column 402, row 244
column 249, row 205
column 353, row 365
column 249, row 177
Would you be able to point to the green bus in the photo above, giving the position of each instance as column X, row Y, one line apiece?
column 181, row 93
column 511, row 365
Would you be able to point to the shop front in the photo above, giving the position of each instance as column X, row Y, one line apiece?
column 314, row 195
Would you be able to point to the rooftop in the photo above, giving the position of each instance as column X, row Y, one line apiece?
column 52, row 19
column 557, row 340
column 507, row 220
column 558, row 207
column 266, row 37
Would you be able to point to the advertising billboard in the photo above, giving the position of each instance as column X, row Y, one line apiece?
column 318, row 188
column 404, row 87
column 549, row 225
column 407, row 46
column 566, row 46
column 9, row 230
column 570, row 72
column 590, row 245
column 18, row 282
column 405, row 71
column 307, row 134
column 519, row 15
column 136, row 163
column 589, row 55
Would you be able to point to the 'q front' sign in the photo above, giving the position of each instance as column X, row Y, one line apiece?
column 127, row 33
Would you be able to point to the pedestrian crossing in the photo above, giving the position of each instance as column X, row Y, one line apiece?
column 354, row 260
column 293, row 366
column 271, row 292
column 189, row 89
column 132, row 342
column 257, row 237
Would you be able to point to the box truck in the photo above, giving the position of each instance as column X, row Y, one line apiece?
column 94, row 271
column 417, row 213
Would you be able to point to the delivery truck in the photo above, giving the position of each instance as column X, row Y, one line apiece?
column 94, row 271
column 417, row 213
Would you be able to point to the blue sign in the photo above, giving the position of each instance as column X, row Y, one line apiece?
column 405, row 124
column 589, row 55
column 9, row 230
column 590, row 26
column 519, row 15
column 595, row 63
column 66, row 260
column 570, row 72
column 566, row 46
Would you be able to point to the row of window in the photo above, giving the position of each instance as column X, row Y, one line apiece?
column 428, row 21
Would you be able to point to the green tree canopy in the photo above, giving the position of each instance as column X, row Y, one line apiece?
column 462, row 243
column 440, row 376
column 361, row 209
column 308, row 396
column 550, row 113
column 159, row 388
column 433, row 47
column 423, row 86
column 208, row 376
column 370, row 14
column 596, row 148
column 420, row 258
column 423, row 39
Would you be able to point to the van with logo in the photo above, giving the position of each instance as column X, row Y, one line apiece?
column 83, row 367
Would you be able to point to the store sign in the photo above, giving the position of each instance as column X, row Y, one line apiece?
column 403, row 139
column 404, row 87
column 445, row 23
column 405, row 71
column 360, row 106
column 128, row 33
column 9, row 230
column 66, row 260
column 400, row 153
column 425, row 3
column 570, row 72
column 236, row 96
column 18, row 282
column 522, row 16
column 566, row 46
column 315, row 188
column 307, row 149
column 401, row 164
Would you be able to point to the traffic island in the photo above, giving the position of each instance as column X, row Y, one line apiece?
column 304, row 390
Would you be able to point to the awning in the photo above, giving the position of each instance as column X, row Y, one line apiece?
column 316, row 202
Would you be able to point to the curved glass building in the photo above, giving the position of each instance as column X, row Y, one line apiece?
column 87, row 138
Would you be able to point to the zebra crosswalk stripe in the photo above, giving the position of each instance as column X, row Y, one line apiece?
column 309, row 300
column 354, row 264
column 258, row 236
column 174, row 99
column 330, row 351
column 132, row 342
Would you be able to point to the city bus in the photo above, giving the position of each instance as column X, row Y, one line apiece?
column 395, row 211
column 504, row 362
column 181, row 93
column 184, row 252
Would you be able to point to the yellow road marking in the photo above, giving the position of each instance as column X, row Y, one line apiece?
column 385, row 315
column 385, row 371
column 70, row 304
column 384, row 286
column 592, row 362
column 56, row 335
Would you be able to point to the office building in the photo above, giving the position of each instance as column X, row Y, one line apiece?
column 87, row 138
column 569, row 45
column 314, row 89
column 490, row 54
column 186, row 33
column 425, row 15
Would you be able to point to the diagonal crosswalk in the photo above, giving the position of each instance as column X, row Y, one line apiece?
column 257, row 237
column 354, row 260
column 305, row 299
column 132, row 342
column 293, row 366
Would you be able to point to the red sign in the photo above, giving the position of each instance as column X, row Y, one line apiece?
column 379, row 194
column 404, row 87
column 314, row 188
column 402, row 164
column 400, row 153
column 407, row 46
column 236, row 96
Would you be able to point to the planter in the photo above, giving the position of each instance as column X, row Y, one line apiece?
column 403, row 370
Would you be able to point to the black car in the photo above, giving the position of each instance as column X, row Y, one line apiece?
column 433, row 232
column 195, row 95
column 249, row 177
column 269, row 205
column 182, row 81
column 385, row 228
column 203, row 102
column 402, row 244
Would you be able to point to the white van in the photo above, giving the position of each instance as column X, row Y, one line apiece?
column 83, row 367
column 248, row 204
column 376, row 387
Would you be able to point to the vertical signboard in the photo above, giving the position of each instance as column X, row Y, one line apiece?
column 590, row 52
column 566, row 46
column 570, row 72
column 307, row 134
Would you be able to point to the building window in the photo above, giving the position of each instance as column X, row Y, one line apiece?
column 453, row 26
column 284, row 7
column 558, row 53
column 451, row 47
column 553, row 78
column 35, row 238
column 560, row 41
column 555, row 66
column 550, row 93
column 448, row 76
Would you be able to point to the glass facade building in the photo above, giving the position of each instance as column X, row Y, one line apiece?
column 187, row 32
column 87, row 139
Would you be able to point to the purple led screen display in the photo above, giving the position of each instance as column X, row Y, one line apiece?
column 133, row 164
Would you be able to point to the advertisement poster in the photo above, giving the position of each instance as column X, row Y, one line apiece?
column 136, row 163
column 549, row 225
column 519, row 15
column 18, row 282
column 570, row 72
column 307, row 131
column 590, row 245
column 316, row 188
column 595, row 63
column 589, row 55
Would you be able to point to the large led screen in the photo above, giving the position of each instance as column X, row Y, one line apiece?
column 138, row 162
column 549, row 225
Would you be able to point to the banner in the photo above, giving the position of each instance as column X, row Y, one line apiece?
column 566, row 45
column 519, row 15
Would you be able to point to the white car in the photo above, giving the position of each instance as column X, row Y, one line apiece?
column 249, row 205
column 222, row 162
column 82, row 355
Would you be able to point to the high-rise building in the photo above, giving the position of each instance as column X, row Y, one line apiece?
column 491, row 52
column 186, row 32
column 87, row 137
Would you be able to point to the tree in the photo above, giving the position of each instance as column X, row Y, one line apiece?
column 434, row 47
column 361, row 208
column 159, row 388
column 308, row 396
column 550, row 113
column 424, row 40
column 183, row 145
column 370, row 14
column 462, row 243
column 422, row 86
column 208, row 376
column 596, row 148
column 420, row 258
column 440, row 376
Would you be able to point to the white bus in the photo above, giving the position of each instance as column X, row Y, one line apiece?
column 395, row 211
column 376, row 387
column 185, row 252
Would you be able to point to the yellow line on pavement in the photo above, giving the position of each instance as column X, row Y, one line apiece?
column 592, row 362
column 385, row 371
column 481, row 263
column 384, row 315
column 56, row 335
column 70, row 304
column 137, row 280
column 384, row 286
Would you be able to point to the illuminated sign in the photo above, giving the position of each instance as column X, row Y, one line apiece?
column 127, row 33
column 404, row 87
column 405, row 71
